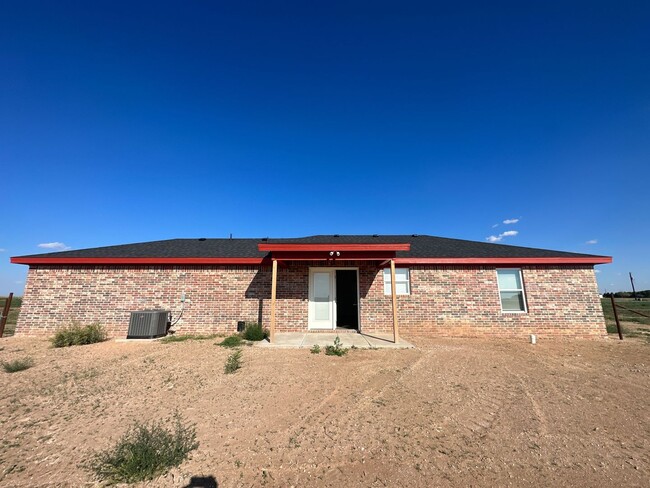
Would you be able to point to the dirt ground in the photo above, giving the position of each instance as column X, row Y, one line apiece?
column 448, row 413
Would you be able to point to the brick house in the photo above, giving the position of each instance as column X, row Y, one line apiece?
column 409, row 284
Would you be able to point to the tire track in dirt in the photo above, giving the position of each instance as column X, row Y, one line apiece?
column 479, row 409
column 449, row 436
column 342, row 420
column 537, row 410
column 381, row 383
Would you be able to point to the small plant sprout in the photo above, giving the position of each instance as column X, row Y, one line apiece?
column 233, row 363
column 145, row 451
column 17, row 365
column 315, row 349
column 234, row 340
column 337, row 349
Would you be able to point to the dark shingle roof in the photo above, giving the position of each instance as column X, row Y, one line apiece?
column 422, row 246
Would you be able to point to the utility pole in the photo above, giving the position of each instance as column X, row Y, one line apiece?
column 633, row 290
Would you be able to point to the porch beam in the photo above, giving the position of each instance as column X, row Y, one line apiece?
column 335, row 246
column 383, row 263
column 334, row 255
column 274, row 284
column 393, row 291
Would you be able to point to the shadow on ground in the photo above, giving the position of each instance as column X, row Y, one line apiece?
column 202, row 482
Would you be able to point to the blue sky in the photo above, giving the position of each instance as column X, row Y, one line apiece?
column 129, row 122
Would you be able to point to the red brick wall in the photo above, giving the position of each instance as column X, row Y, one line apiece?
column 464, row 301
column 445, row 300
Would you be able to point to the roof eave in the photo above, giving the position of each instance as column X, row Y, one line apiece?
column 34, row 260
column 510, row 261
column 132, row 260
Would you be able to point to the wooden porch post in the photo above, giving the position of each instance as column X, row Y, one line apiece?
column 394, row 293
column 274, row 283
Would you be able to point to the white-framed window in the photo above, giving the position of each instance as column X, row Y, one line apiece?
column 511, row 290
column 402, row 281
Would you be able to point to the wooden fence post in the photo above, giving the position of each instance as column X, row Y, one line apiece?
column 618, row 323
column 5, row 313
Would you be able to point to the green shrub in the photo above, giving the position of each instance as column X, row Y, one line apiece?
column 336, row 349
column 233, row 363
column 79, row 335
column 145, row 452
column 254, row 332
column 17, row 365
column 232, row 341
column 315, row 349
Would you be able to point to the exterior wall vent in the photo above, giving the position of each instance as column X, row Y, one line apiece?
column 148, row 324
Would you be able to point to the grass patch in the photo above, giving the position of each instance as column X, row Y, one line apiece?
column 254, row 332
column 642, row 306
column 611, row 328
column 15, row 302
column 234, row 340
column 632, row 325
column 233, row 363
column 145, row 451
column 79, row 335
column 12, row 318
column 315, row 349
column 186, row 337
column 17, row 365
column 337, row 349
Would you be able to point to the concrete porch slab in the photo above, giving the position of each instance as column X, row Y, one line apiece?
column 322, row 339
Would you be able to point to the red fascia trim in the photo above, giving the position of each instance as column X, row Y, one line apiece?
column 576, row 260
column 325, row 256
column 72, row 260
column 257, row 261
column 334, row 247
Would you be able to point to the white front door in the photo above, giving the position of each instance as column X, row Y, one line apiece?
column 321, row 299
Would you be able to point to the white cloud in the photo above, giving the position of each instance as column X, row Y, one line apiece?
column 19, row 282
column 508, row 233
column 2, row 249
column 495, row 225
column 592, row 241
column 54, row 246
column 510, row 221
column 596, row 271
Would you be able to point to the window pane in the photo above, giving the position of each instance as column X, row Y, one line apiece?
column 401, row 281
column 386, row 275
column 322, row 285
column 512, row 301
column 321, row 309
column 401, row 274
column 401, row 288
column 509, row 279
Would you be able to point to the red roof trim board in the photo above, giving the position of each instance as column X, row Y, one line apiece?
column 265, row 260
column 513, row 261
column 333, row 255
column 76, row 260
column 334, row 247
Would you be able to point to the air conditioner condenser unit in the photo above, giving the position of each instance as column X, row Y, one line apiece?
column 149, row 324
